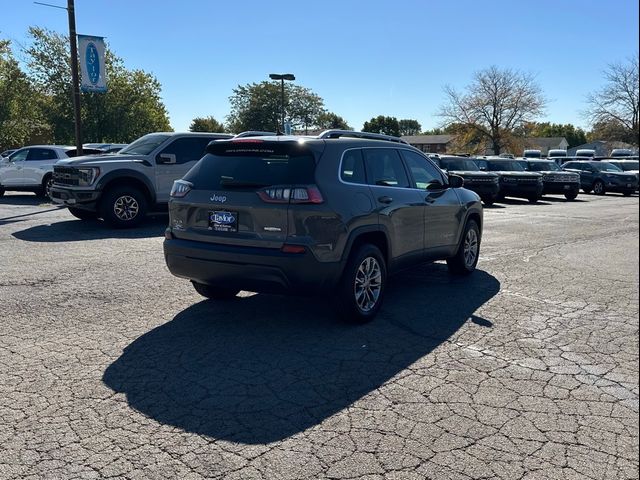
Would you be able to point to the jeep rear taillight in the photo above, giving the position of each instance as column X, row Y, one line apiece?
column 291, row 194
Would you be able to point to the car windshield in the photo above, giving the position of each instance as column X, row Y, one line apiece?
column 458, row 164
column 145, row 145
column 543, row 166
column 503, row 166
column 606, row 167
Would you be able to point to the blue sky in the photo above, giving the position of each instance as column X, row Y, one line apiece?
column 364, row 58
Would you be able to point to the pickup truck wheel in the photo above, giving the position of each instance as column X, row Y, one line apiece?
column 123, row 207
column 83, row 214
column 598, row 187
column 533, row 199
column 361, row 288
column 1, row 191
column 466, row 258
column 214, row 293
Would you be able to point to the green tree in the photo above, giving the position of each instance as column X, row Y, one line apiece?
column 574, row 135
column 256, row 106
column 383, row 124
column 206, row 124
column 409, row 127
column 495, row 104
column 617, row 104
column 130, row 108
column 329, row 120
column 20, row 118
column 612, row 131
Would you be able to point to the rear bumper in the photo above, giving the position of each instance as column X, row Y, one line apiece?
column 255, row 269
column 84, row 199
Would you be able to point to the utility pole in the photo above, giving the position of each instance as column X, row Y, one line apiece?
column 75, row 82
column 74, row 74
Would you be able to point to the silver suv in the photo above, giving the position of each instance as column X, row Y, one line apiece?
column 122, row 187
column 336, row 213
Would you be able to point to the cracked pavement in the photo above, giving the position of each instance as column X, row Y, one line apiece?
column 112, row 368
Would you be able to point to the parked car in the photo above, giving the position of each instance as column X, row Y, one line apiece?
column 333, row 213
column 122, row 188
column 485, row 184
column 555, row 153
column 515, row 181
column 602, row 177
column 532, row 154
column 106, row 147
column 30, row 169
column 585, row 152
column 627, row 165
column 621, row 152
column 6, row 153
column 554, row 179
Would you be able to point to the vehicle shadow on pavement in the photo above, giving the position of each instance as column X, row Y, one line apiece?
column 24, row 199
column 515, row 201
column 262, row 368
column 79, row 230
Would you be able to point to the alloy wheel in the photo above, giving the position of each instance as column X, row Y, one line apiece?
column 368, row 284
column 470, row 248
column 126, row 207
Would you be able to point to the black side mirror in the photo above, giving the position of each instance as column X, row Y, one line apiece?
column 456, row 181
column 166, row 158
column 435, row 185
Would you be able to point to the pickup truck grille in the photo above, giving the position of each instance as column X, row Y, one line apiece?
column 66, row 176
column 480, row 179
column 560, row 177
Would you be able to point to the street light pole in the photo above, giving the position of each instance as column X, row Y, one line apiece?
column 282, row 77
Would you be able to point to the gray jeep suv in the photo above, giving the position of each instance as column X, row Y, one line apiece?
column 333, row 213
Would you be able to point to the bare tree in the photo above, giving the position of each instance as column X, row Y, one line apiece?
column 494, row 104
column 618, row 102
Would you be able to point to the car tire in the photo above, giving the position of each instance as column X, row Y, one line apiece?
column 627, row 193
column 598, row 187
column 466, row 258
column 214, row 293
column 488, row 201
column 123, row 207
column 533, row 199
column 1, row 191
column 571, row 195
column 361, row 289
column 45, row 190
column 83, row 214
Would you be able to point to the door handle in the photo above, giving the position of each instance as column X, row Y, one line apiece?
column 385, row 199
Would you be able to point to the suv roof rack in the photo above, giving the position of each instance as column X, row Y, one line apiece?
column 255, row 133
column 334, row 133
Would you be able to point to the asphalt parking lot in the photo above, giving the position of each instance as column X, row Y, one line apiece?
column 528, row 369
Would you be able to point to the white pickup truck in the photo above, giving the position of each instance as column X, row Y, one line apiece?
column 122, row 187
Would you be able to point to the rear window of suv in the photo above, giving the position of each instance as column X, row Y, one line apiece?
column 252, row 166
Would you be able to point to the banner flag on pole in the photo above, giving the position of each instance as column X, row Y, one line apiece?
column 91, row 53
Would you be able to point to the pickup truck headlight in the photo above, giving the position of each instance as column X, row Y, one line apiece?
column 88, row 175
